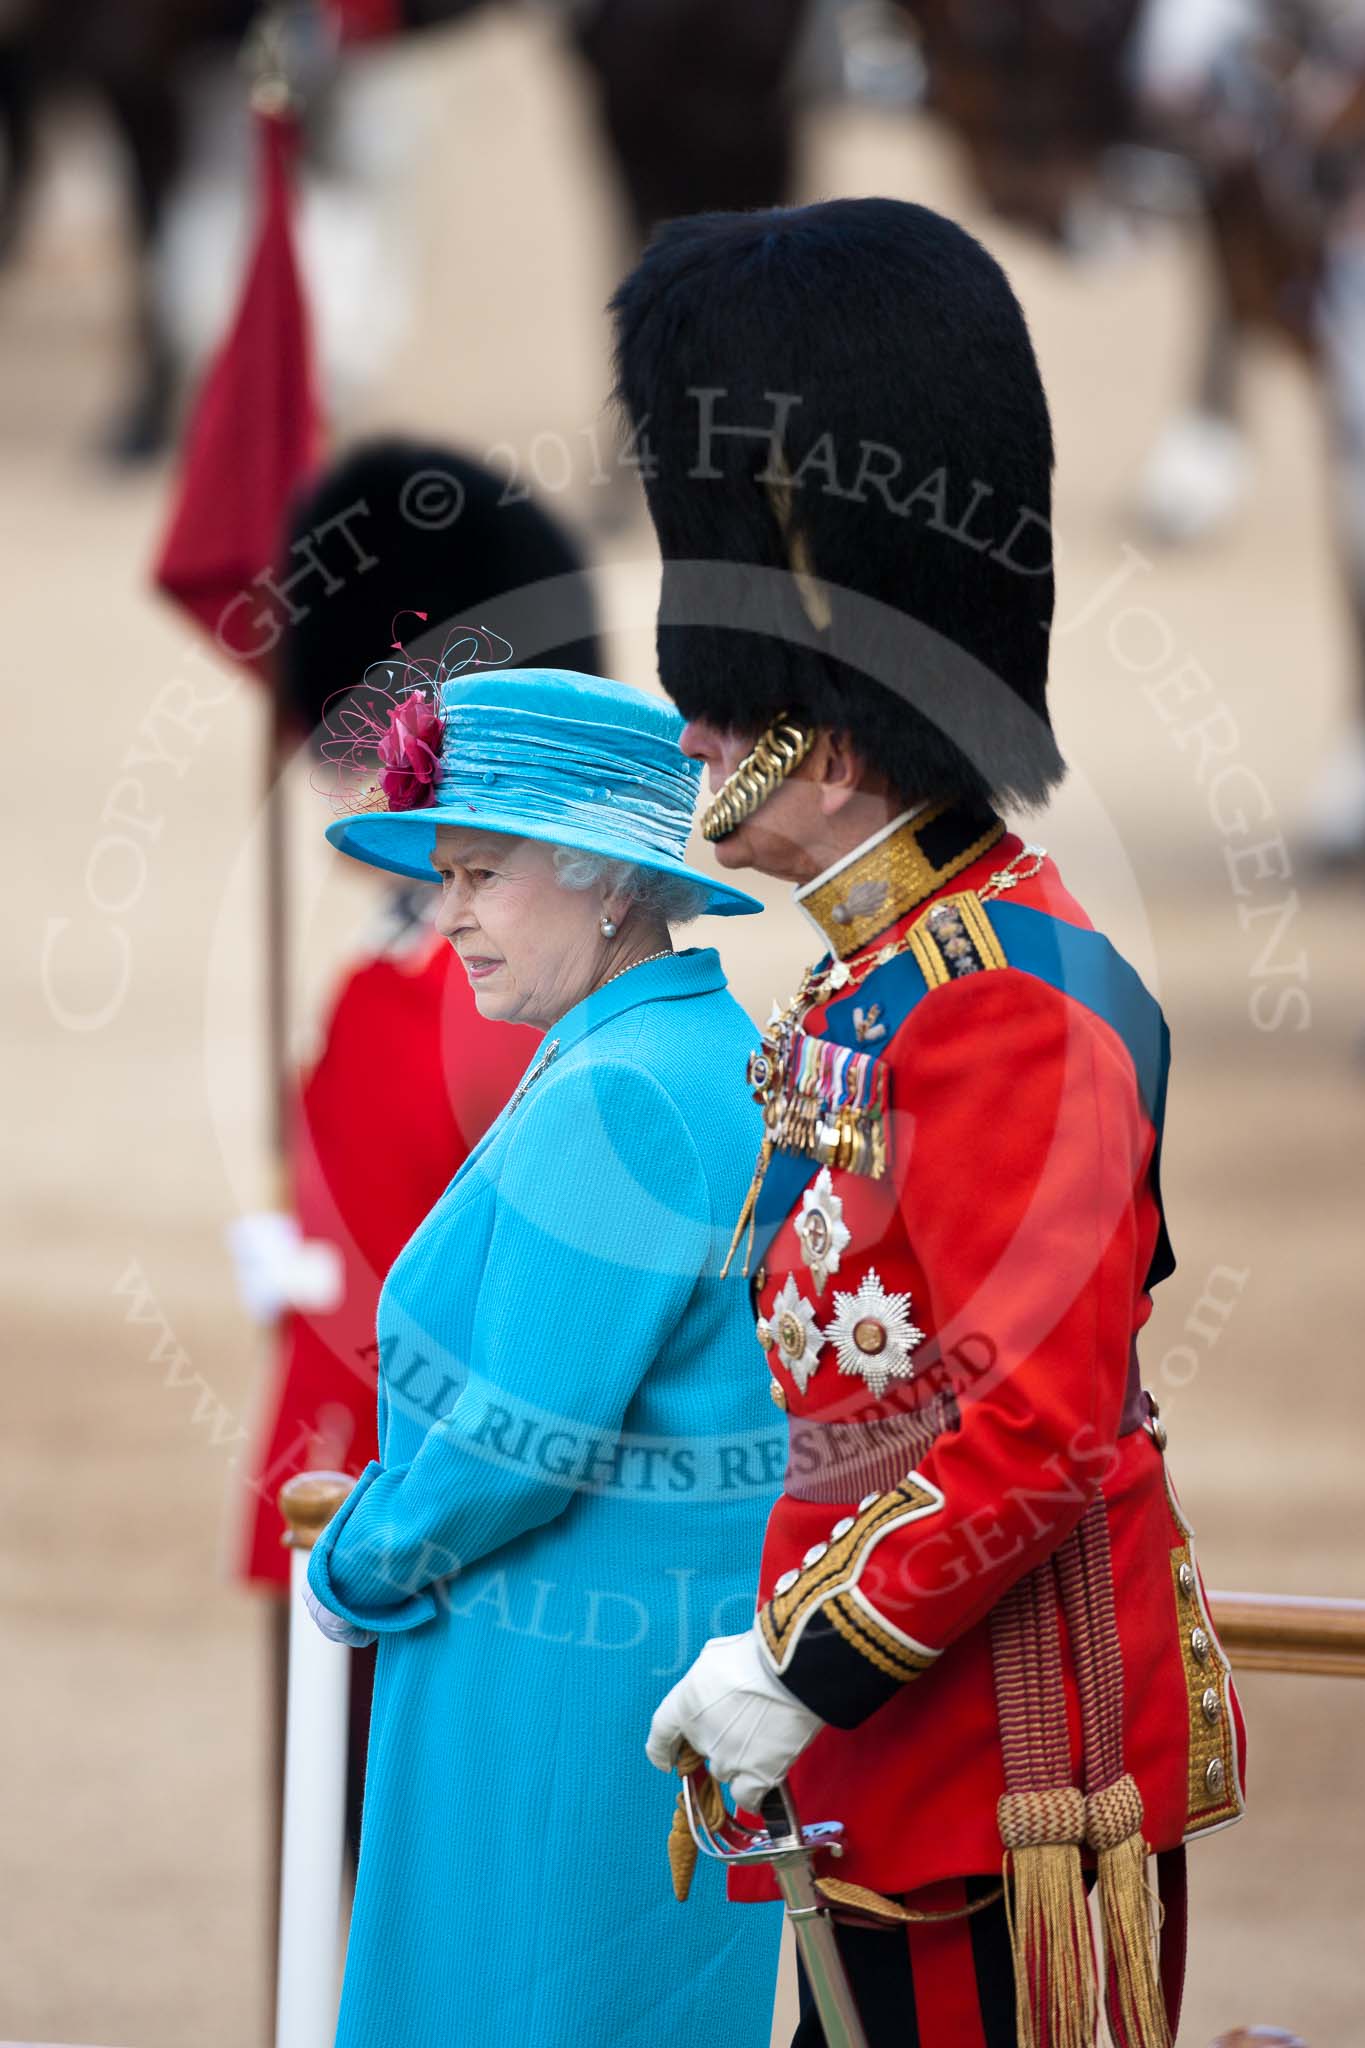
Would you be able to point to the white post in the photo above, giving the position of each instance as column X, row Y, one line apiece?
column 314, row 1788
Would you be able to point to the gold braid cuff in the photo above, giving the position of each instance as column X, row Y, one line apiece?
column 783, row 747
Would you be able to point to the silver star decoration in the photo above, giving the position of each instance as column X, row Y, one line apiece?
column 873, row 1334
column 798, row 1335
column 821, row 1228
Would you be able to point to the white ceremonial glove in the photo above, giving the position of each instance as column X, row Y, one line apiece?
column 277, row 1270
column 333, row 1627
column 737, row 1713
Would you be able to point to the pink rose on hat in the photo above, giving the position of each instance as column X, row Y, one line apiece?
column 410, row 754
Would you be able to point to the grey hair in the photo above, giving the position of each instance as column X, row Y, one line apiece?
column 671, row 898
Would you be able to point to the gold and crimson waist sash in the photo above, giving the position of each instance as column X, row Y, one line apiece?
column 1046, row 1820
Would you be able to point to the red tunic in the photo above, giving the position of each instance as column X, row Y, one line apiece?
column 409, row 1078
column 1018, row 1213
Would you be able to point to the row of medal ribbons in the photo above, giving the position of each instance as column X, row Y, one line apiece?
column 829, row 1104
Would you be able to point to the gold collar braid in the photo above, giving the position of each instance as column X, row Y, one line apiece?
column 892, row 875
column 781, row 748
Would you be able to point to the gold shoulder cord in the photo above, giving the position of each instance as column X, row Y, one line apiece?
column 842, row 977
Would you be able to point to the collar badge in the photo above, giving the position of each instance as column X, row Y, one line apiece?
column 864, row 899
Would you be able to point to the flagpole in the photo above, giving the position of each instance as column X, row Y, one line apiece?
column 274, row 104
column 273, row 99
column 275, row 909
column 275, row 925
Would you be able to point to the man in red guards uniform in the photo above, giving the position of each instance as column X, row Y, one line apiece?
column 982, row 1641
column 409, row 1075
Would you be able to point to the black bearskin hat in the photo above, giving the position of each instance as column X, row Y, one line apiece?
column 846, row 394
column 398, row 526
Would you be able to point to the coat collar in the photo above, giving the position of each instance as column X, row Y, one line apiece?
column 695, row 972
column 895, row 871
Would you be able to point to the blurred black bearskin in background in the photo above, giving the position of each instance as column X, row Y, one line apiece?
column 459, row 543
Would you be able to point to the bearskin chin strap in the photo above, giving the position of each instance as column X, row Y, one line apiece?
column 781, row 748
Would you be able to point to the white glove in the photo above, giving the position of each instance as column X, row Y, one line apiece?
column 737, row 1713
column 333, row 1627
column 277, row 1270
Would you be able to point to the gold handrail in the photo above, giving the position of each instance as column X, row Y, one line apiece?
column 1291, row 1632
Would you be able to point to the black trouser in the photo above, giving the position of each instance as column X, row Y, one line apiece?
column 930, row 1984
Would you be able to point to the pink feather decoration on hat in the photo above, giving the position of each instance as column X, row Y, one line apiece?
column 396, row 725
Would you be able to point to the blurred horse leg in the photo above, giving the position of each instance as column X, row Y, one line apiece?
column 1334, row 823
column 1197, row 475
column 18, row 139
column 146, row 115
column 694, row 102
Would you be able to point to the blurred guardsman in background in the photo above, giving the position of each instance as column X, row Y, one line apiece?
column 376, row 1135
column 982, row 1641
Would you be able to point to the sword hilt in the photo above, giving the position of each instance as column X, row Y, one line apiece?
column 780, row 1818
column 781, row 1837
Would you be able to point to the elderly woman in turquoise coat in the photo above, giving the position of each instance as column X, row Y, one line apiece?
column 576, row 1445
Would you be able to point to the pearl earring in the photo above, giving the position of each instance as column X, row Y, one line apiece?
column 608, row 927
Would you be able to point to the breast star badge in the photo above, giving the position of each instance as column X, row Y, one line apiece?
column 873, row 1334
column 797, row 1334
column 821, row 1229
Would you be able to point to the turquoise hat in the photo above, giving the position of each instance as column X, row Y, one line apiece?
column 545, row 753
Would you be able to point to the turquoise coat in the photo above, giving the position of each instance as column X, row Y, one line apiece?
column 577, row 1454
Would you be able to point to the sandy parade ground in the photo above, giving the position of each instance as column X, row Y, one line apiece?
column 134, row 1862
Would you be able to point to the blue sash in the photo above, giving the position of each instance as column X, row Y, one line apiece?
column 1078, row 963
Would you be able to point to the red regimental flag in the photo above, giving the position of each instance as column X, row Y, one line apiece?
column 366, row 21
column 254, row 437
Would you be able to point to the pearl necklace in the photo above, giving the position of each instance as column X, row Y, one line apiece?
column 665, row 953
